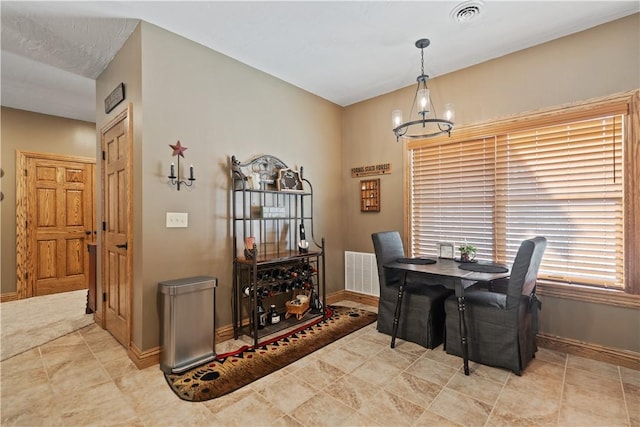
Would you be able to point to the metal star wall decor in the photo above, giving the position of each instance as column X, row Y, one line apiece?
column 178, row 149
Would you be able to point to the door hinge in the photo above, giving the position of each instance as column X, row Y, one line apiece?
column 104, row 297
column 104, row 156
column 104, row 225
column 26, row 172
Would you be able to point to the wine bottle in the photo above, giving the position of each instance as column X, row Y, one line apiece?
column 262, row 315
column 274, row 316
column 303, row 245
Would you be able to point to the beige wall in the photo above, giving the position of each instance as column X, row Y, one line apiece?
column 597, row 62
column 26, row 131
column 217, row 107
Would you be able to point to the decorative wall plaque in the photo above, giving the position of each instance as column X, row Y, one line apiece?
column 289, row 180
column 114, row 98
column 379, row 169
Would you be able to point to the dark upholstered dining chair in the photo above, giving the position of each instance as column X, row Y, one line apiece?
column 422, row 312
column 501, row 326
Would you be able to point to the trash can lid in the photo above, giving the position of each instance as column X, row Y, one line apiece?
column 187, row 284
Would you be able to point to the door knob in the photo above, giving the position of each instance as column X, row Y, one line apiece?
column 122, row 246
column 87, row 232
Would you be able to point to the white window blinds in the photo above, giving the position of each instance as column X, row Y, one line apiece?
column 563, row 181
column 453, row 194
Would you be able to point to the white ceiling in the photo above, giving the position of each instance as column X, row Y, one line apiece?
column 342, row 51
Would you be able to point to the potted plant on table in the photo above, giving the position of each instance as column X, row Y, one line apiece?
column 467, row 252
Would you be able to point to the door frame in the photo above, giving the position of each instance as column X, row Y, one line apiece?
column 24, row 251
column 100, row 315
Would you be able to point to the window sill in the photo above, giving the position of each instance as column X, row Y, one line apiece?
column 613, row 297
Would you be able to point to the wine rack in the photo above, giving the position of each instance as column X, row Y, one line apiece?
column 275, row 283
column 273, row 260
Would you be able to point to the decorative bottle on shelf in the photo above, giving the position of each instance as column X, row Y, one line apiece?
column 262, row 315
column 314, row 302
column 303, row 245
column 274, row 316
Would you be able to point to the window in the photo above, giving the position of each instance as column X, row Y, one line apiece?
column 453, row 195
column 564, row 182
column 560, row 174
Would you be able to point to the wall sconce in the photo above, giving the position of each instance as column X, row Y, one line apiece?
column 178, row 150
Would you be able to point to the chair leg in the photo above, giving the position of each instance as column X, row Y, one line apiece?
column 444, row 339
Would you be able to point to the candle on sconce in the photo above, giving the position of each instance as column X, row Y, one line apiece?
column 173, row 171
column 191, row 173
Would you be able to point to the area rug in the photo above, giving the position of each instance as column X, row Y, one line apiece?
column 231, row 371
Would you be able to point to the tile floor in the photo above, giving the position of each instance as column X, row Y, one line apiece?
column 34, row 321
column 85, row 378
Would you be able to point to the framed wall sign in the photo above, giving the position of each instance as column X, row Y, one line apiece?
column 445, row 250
column 115, row 97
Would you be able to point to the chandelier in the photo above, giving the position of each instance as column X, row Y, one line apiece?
column 425, row 126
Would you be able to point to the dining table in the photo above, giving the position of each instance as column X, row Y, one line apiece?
column 445, row 272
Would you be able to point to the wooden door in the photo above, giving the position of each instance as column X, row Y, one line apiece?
column 56, row 221
column 117, row 267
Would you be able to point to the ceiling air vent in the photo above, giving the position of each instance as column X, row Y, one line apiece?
column 467, row 11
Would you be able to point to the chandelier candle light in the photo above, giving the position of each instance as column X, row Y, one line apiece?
column 425, row 126
column 178, row 150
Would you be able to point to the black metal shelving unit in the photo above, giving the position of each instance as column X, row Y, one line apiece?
column 274, row 269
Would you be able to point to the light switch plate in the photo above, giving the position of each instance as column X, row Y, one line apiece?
column 177, row 220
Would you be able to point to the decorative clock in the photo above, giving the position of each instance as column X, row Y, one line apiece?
column 289, row 180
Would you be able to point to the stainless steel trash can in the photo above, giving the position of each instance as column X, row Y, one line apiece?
column 188, row 322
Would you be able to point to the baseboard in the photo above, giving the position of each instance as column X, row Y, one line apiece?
column 336, row 296
column 97, row 317
column 224, row 333
column 626, row 358
column 144, row 359
column 361, row 298
column 9, row 296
